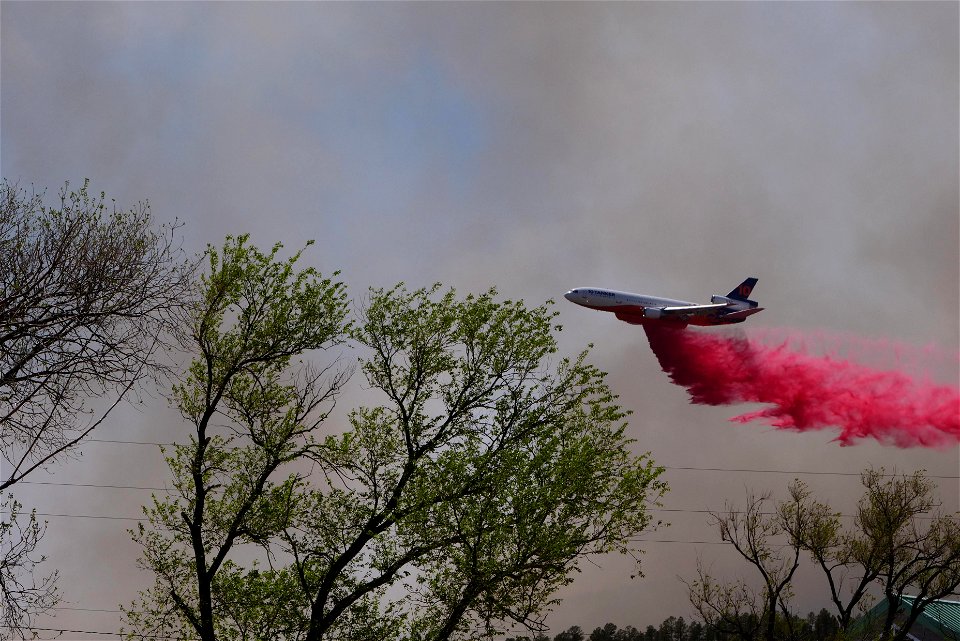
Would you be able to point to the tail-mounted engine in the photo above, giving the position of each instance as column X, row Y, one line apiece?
column 734, row 303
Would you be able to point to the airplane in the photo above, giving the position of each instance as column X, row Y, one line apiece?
column 638, row 309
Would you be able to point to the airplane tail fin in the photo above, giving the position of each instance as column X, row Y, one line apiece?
column 743, row 290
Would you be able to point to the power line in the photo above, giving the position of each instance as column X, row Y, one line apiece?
column 728, row 511
column 652, row 509
column 97, row 485
column 802, row 472
column 63, row 607
column 140, row 519
column 113, row 634
column 678, row 541
column 668, row 467
column 90, row 516
column 105, row 440
column 168, row 490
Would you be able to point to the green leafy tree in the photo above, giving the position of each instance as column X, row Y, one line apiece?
column 897, row 541
column 607, row 633
column 920, row 556
column 666, row 629
column 253, row 316
column 629, row 633
column 680, row 629
column 454, row 509
column 486, row 470
column 825, row 626
column 573, row 633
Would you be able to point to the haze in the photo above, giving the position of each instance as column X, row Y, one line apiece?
column 664, row 148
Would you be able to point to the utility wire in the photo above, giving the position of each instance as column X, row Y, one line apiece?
column 90, row 516
column 168, row 490
column 106, row 440
column 97, row 485
column 700, row 469
column 812, row 473
column 652, row 509
column 130, row 518
column 678, row 541
column 162, row 489
column 669, row 467
column 113, row 634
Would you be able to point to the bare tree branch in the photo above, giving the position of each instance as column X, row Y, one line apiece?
column 88, row 294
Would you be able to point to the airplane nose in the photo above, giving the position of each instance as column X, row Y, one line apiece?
column 572, row 296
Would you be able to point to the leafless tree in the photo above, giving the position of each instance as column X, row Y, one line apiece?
column 762, row 539
column 733, row 609
column 23, row 593
column 87, row 294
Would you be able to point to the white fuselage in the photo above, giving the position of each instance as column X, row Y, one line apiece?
column 610, row 299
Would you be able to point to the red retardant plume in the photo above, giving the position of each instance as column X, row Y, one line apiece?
column 808, row 392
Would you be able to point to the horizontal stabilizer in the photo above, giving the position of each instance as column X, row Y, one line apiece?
column 743, row 313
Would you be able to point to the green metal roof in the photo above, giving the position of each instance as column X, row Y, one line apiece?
column 939, row 614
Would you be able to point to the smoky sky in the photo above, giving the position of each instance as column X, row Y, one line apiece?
column 664, row 148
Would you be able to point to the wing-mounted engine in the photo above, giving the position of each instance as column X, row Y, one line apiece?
column 652, row 312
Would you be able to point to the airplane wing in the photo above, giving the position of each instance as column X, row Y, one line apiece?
column 691, row 310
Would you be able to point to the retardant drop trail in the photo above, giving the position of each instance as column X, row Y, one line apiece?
column 808, row 392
